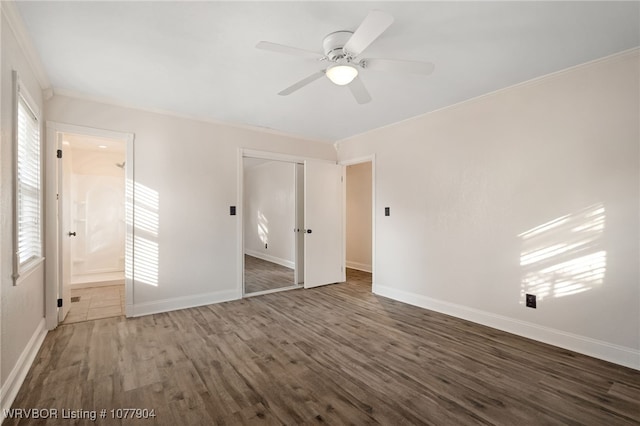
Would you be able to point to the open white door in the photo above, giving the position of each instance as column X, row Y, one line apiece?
column 323, row 257
column 65, row 225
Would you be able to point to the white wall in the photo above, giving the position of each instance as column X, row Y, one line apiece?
column 466, row 183
column 269, row 211
column 22, row 306
column 186, row 176
column 358, row 227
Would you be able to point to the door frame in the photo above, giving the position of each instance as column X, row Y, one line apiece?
column 265, row 155
column 53, row 233
column 366, row 159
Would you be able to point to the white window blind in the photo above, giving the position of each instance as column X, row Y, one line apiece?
column 28, row 185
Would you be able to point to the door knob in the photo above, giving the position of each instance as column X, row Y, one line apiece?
column 72, row 234
column 309, row 231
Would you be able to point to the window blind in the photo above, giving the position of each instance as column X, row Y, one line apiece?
column 28, row 185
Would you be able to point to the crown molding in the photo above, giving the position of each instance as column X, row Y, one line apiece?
column 120, row 104
column 14, row 19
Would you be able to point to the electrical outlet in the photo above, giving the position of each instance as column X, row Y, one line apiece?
column 531, row 301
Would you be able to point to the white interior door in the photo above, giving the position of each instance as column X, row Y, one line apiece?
column 64, row 212
column 323, row 257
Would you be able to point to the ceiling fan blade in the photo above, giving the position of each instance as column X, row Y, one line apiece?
column 370, row 29
column 281, row 48
column 393, row 65
column 299, row 85
column 359, row 91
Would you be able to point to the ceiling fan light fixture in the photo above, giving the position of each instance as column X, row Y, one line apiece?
column 341, row 74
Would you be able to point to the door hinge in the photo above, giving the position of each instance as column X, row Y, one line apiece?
column 341, row 178
column 59, row 153
column 57, row 196
column 59, row 303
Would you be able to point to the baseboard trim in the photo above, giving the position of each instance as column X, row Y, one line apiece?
column 184, row 302
column 359, row 266
column 282, row 262
column 15, row 379
column 616, row 354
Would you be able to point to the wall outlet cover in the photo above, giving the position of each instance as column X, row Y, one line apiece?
column 531, row 301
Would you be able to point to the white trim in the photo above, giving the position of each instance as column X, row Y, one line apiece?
column 277, row 156
column 29, row 269
column 621, row 355
column 90, row 131
column 113, row 102
column 10, row 11
column 183, row 302
column 273, row 259
column 240, row 225
column 359, row 266
column 17, row 375
column 20, row 91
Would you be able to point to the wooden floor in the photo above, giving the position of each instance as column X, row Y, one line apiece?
column 260, row 275
column 90, row 303
column 335, row 354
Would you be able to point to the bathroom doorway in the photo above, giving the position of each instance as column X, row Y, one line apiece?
column 93, row 226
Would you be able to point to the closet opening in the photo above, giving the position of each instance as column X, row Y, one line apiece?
column 273, row 214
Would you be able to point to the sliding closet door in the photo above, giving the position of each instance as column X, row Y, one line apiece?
column 323, row 197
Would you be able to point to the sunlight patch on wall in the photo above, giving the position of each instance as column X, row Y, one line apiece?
column 128, row 245
column 564, row 256
column 145, row 218
column 263, row 228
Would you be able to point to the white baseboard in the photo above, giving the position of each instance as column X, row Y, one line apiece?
column 359, row 266
column 283, row 262
column 621, row 355
column 19, row 372
column 184, row 302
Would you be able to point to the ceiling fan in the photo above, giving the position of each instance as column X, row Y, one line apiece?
column 342, row 51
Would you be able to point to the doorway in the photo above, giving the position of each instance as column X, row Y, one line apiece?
column 359, row 219
column 93, row 205
column 89, row 231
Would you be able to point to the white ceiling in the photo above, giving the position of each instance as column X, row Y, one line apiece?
column 93, row 143
column 199, row 59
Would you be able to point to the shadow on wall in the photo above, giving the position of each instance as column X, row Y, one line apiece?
column 146, row 226
column 564, row 256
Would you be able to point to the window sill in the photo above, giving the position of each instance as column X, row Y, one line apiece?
column 27, row 270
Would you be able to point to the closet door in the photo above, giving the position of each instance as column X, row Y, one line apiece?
column 323, row 242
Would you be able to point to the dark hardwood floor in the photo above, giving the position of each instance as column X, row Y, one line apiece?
column 261, row 275
column 335, row 354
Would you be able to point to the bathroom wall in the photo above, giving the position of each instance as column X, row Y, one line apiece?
column 97, row 216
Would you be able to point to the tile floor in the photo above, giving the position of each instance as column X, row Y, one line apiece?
column 96, row 303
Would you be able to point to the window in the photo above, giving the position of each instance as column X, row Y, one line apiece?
column 28, row 191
